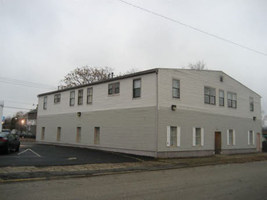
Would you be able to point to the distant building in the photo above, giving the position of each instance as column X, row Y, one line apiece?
column 1, row 113
column 31, row 120
column 157, row 112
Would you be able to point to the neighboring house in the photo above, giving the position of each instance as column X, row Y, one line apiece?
column 1, row 114
column 31, row 119
column 158, row 112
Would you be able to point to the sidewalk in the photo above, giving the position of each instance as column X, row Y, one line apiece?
column 16, row 174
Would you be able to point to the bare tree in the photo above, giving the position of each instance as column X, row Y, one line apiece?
column 85, row 75
column 200, row 65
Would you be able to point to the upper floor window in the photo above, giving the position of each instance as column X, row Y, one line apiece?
column 89, row 95
column 80, row 97
column 176, row 88
column 57, row 98
column 137, row 88
column 114, row 88
column 210, row 95
column 45, row 103
column 251, row 104
column 72, row 98
column 221, row 97
column 231, row 100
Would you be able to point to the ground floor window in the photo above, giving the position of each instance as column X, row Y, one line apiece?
column 230, row 137
column 78, row 134
column 58, row 133
column 43, row 133
column 173, row 136
column 97, row 135
column 198, row 136
column 251, row 140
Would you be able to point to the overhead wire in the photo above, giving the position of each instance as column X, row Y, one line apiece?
column 192, row 27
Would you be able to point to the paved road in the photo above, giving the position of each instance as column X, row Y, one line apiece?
column 32, row 154
column 221, row 182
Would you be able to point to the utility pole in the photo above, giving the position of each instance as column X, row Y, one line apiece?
column 1, row 114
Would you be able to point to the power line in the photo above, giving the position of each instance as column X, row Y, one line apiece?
column 192, row 27
column 18, row 108
column 25, row 83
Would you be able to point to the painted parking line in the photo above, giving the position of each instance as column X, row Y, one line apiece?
column 30, row 151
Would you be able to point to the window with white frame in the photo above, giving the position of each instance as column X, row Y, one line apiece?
column 231, row 100
column 251, row 137
column 173, row 136
column 176, row 88
column 89, row 95
column 136, row 88
column 198, row 136
column 251, row 104
column 80, row 97
column 209, row 95
column 230, row 137
column 57, row 98
column 45, row 103
column 221, row 98
column 72, row 98
column 114, row 88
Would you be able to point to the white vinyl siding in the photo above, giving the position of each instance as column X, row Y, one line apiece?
column 198, row 136
column 173, row 136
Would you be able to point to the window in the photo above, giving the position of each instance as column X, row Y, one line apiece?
column 176, row 89
column 114, row 88
column 80, row 97
column 230, row 137
column 78, row 134
column 57, row 98
column 231, row 100
column 58, row 133
column 89, row 95
column 136, row 88
column 72, row 98
column 198, row 136
column 173, row 136
column 97, row 135
column 45, row 103
column 43, row 133
column 251, row 104
column 221, row 97
column 210, row 95
column 251, row 138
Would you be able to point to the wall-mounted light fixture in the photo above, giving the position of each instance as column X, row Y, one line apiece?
column 173, row 107
column 79, row 114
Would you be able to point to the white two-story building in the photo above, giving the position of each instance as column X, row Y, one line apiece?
column 158, row 112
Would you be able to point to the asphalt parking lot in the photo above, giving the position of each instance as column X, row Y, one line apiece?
column 33, row 154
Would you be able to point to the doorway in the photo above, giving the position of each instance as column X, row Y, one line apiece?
column 218, row 142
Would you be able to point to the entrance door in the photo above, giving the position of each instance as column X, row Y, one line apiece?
column 218, row 142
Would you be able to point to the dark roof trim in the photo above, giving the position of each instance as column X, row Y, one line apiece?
column 103, row 81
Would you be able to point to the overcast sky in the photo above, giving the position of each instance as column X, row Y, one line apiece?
column 43, row 40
